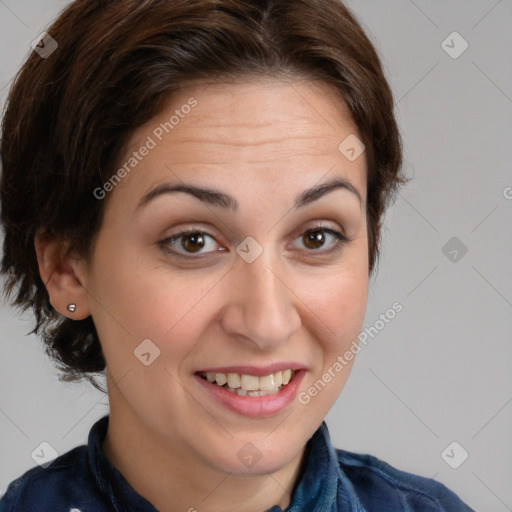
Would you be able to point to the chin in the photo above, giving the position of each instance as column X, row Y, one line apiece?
column 247, row 459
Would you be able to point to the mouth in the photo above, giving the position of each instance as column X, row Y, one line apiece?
column 244, row 384
column 251, row 391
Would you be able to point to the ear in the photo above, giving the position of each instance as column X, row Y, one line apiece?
column 63, row 274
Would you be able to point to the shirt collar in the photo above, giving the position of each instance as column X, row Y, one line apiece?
column 323, row 486
column 110, row 481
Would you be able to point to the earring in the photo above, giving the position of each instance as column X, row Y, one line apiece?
column 71, row 308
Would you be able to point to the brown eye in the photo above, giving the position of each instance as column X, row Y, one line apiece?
column 190, row 243
column 193, row 242
column 314, row 239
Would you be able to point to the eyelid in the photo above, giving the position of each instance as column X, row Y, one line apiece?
column 321, row 225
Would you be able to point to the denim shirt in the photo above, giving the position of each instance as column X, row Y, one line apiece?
column 83, row 480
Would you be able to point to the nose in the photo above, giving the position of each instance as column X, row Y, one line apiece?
column 262, row 308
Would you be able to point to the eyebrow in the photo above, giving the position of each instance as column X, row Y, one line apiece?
column 216, row 198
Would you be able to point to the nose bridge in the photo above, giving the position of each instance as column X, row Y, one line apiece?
column 262, row 307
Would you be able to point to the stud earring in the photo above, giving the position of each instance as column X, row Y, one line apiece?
column 71, row 308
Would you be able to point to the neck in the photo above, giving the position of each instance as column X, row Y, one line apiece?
column 172, row 479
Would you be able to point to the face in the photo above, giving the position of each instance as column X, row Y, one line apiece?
column 267, row 276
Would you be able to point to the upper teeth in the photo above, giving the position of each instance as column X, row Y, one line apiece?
column 251, row 382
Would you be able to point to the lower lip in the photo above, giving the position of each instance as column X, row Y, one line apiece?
column 255, row 406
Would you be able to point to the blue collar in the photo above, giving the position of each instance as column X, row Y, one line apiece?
column 332, row 481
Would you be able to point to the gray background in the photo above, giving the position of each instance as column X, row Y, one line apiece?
column 441, row 370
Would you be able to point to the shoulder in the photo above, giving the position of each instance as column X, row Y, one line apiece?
column 48, row 489
column 376, row 483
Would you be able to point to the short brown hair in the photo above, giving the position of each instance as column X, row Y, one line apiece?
column 70, row 115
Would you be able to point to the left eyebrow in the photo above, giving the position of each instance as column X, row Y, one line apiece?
column 315, row 193
column 216, row 198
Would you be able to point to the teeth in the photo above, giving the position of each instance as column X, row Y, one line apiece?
column 267, row 382
column 221, row 378
column 249, row 382
column 251, row 385
column 233, row 380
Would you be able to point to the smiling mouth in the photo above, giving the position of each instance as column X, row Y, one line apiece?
column 250, row 385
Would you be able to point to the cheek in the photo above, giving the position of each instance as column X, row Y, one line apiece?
column 140, row 301
column 339, row 297
column 340, row 306
column 339, row 310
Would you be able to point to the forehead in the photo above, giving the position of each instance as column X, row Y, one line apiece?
column 248, row 134
column 258, row 111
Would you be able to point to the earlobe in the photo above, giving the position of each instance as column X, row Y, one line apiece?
column 62, row 274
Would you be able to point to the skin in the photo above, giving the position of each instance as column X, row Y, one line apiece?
column 262, row 141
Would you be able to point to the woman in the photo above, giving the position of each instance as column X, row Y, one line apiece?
column 192, row 196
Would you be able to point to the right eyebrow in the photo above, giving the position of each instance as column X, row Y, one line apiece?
column 204, row 194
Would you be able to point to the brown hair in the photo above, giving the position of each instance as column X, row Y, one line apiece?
column 70, row 115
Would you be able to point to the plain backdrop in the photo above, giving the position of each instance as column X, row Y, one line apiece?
column 440, row 372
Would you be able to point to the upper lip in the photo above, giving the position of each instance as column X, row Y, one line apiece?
column 258, row 371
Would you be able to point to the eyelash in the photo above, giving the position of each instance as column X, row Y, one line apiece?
column 340, row 240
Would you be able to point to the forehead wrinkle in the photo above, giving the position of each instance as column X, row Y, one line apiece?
column 310, row 144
